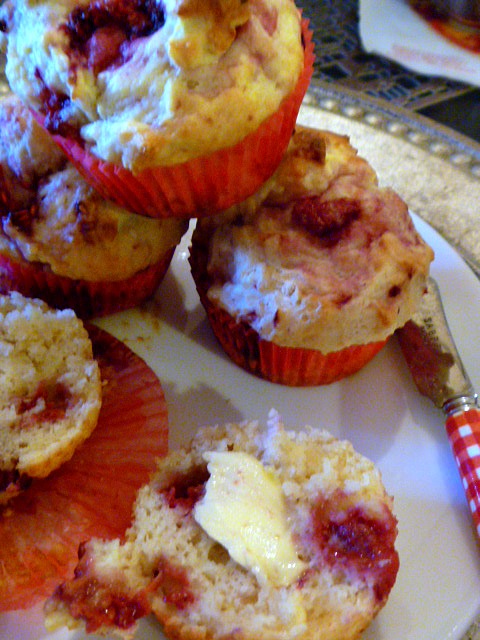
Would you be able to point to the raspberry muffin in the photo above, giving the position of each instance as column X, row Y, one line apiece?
column 60, row 240
column 305, row 282
column 251, row 532
column 50, row 390
column 164, row 106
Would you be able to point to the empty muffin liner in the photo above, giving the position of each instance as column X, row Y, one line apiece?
column 93, row 493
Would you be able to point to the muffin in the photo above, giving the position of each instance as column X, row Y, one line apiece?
column 60, row 240
column 50, row 390
column 164, row 106
column 304, row 282
column 92, row 493
column 251, row 532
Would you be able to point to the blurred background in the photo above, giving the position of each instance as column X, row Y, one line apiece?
column 342, row 60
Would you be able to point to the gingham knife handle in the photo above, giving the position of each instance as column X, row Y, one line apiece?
column 463, row 428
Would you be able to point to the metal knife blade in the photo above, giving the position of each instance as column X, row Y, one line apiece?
column 431, row 354
column 439, row 374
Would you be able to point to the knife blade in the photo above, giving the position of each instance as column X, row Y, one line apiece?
column 438, row 372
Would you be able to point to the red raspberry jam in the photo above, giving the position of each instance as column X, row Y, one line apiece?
column 187, row 489
column 55, row 106
column 172, row 582
column 99, row 35
column 98, row 31
column 99, row 604
column 353, row 540
column 55, row 398
column 324, row 218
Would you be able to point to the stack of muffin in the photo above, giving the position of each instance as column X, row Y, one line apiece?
column 127, row 119
column 162, row 111
column 63, row 242
column 304, row 265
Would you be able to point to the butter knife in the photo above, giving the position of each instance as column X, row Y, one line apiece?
column 438, row 373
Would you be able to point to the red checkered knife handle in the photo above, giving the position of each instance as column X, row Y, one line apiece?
column 463, row 428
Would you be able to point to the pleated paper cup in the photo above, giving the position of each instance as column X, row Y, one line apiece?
column 92, row 494
column 291, row 366
column 89, row 299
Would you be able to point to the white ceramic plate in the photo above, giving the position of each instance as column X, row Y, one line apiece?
column 437, row 592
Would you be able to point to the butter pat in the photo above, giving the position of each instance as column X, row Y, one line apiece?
column 244, row 510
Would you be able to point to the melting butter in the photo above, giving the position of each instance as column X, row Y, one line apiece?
column 244, row 510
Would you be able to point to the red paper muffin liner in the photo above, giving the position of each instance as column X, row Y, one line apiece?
column 291, row 366
column 207, row 184
column 91, row 495
column 87, row 299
